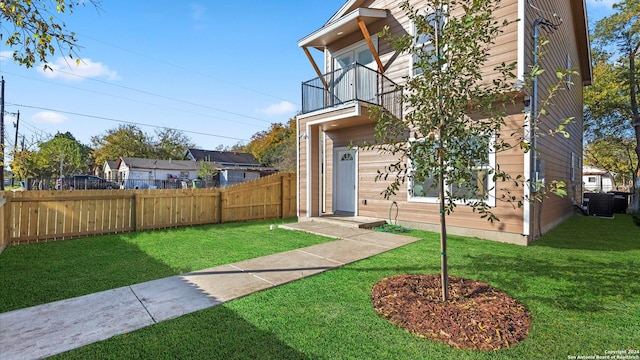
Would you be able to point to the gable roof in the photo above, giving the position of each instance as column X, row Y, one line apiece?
column 111, row 164
column 223, row 157
column 178, row 165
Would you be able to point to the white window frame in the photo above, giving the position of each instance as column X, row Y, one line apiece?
column 491, row 186
column 418, row 43
column 351, row 48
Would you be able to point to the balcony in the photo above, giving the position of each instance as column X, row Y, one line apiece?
column 352, row 83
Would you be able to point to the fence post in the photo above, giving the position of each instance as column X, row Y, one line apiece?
column 5, row 219
column 3, row 224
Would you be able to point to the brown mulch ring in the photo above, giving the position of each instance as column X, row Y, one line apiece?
column 476, row 317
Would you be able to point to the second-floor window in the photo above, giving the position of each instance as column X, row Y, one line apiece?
column 424, row 41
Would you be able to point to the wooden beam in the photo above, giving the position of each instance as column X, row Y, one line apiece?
column 367, row 38
column 315, row 67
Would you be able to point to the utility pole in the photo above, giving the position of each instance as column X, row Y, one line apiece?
column 15, row 144
column 2, row 137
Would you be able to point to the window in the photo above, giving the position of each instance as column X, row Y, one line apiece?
column 591, row 179
column 424, row 42
column 569, row 64
column 573, row 166
column 423, row 183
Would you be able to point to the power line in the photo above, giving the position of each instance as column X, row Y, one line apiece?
column 127, row 122
column 190, row 70
column 165, row 97
column 126, row 98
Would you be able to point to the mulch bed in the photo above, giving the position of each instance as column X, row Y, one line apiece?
column 476, row 316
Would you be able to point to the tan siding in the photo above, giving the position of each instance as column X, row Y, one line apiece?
column 556, row 151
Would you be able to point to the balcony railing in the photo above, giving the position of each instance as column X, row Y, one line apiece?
column 354, row 82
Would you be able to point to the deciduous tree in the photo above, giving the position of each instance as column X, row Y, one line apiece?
column 33, row 29
column 612, row 104
column 453, row 118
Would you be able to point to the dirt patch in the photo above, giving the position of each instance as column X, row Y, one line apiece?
column 476, row 317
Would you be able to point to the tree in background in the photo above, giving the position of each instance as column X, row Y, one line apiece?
column 614, row 154
column 171, row 144
column 275, row 147
column 63, row 153
column 130, row 141
column 125, row 140
column 33, row 28
column 611, row 104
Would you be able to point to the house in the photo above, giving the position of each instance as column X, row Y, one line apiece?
column 362, row 70
column 110, row 170
column 137, row 173
column 596, row 180
column 233, row 167
column 224, row 158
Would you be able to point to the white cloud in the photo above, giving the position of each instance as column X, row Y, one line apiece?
column 6, row 55
column 67, row 69
column 283, row 107
column 48, row 117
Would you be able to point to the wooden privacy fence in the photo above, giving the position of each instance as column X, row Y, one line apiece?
column 32, row 216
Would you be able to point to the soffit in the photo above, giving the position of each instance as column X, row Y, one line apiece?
column 341, row 27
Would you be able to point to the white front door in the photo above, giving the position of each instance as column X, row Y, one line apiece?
column 345, row 181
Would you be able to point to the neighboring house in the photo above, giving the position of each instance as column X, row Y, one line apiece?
column 596, row 180
column 362, row 70
column 224, row 158
column 137, row 173
column 233, row 167
column 110, row 170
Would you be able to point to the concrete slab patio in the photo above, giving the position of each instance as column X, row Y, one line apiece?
column 49, row 329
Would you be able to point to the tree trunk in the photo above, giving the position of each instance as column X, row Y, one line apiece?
column 444, row 275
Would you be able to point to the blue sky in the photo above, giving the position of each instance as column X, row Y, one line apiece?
column 219, row 71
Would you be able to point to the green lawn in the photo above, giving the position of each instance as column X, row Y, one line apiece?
column 581, row 283
column 39, row 273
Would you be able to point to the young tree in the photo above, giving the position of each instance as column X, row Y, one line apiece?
column 453, row 118
column 614, row 99
column 34, row 30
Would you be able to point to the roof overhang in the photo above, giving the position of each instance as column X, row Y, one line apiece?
column 343, row 26
column 581, row 27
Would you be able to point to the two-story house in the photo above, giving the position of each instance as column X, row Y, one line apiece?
column 362, row 70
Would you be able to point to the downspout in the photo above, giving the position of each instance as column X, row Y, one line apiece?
column 533, row 179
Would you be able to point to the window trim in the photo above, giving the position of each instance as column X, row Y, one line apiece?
column 414, row 33
column 491, row 185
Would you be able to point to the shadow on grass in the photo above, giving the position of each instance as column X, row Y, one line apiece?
column 40, row 273
column 567, row 283
column 593, row 233
column 215, row 333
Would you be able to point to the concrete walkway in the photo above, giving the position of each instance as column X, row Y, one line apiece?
column 53, row 328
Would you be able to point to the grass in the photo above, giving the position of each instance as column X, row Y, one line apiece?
column 39, row 273
column 581, row 282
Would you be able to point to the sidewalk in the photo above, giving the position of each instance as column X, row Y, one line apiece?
column 53, row 328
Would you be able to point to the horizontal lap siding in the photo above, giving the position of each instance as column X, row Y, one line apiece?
column 398, row 66
column 556, row 151
column 371, row 161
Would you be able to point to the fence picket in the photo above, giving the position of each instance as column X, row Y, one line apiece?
column 51, row 215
